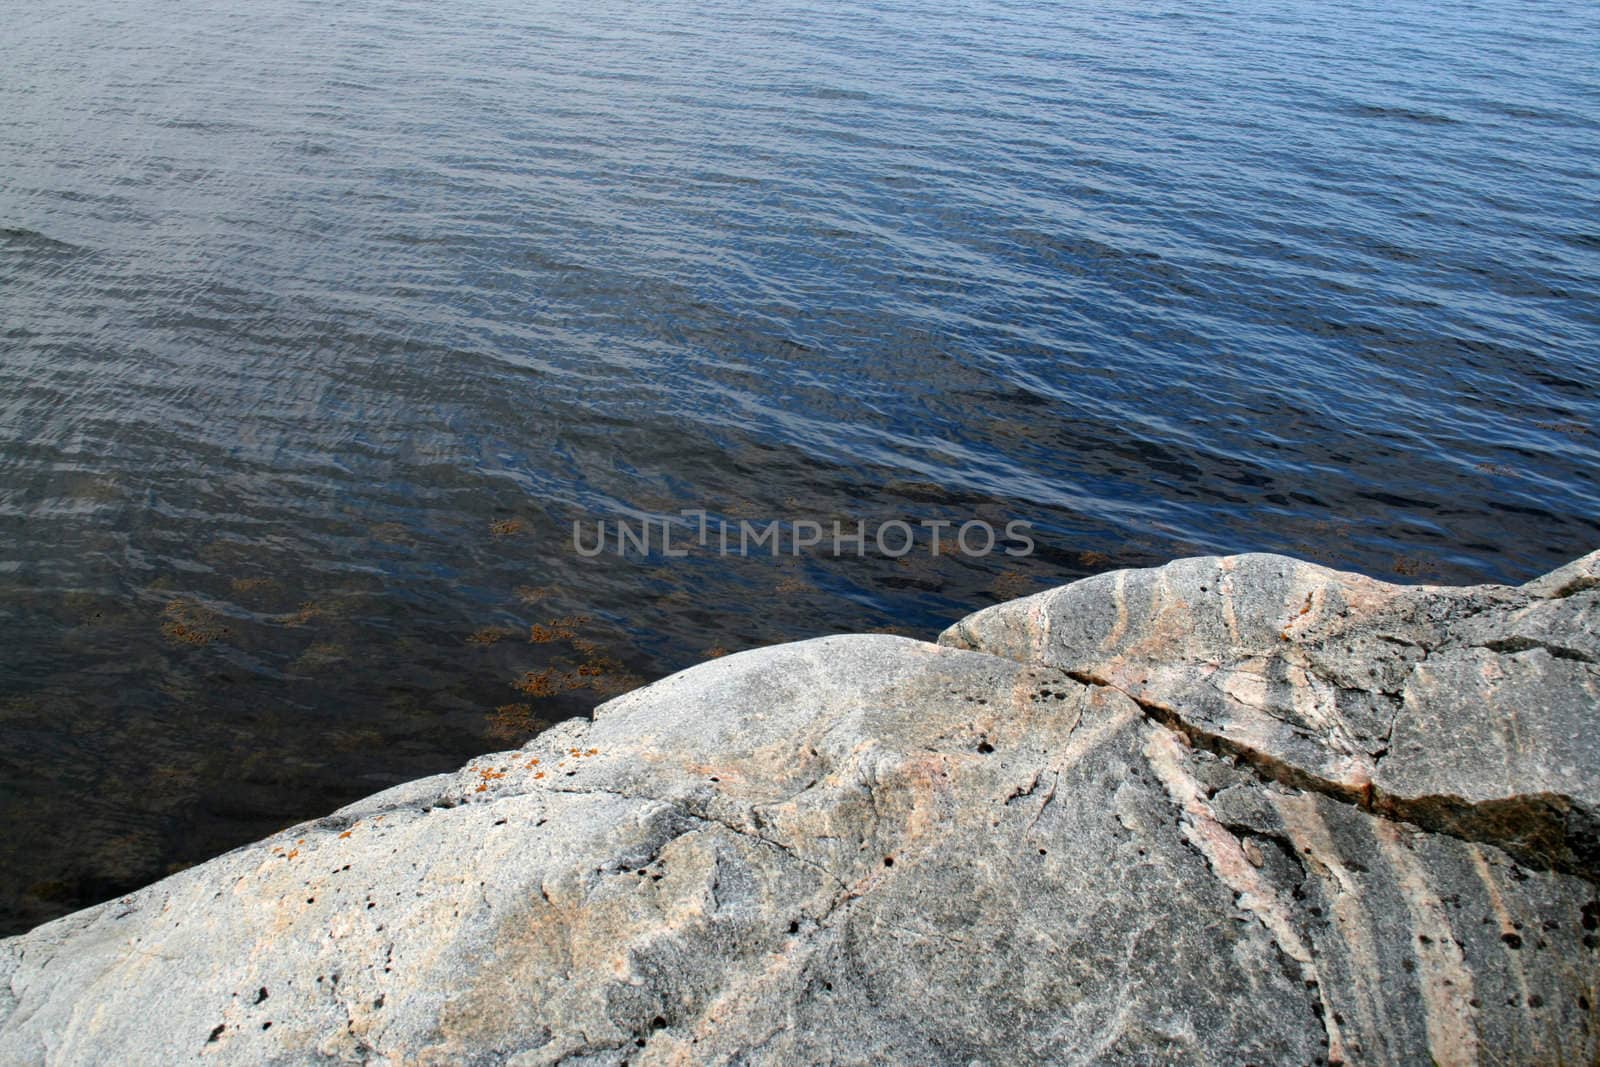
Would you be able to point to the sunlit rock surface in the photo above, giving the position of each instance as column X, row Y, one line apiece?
column 1470, row 710
column 1239, row 810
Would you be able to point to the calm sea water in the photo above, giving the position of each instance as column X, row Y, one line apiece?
column 320, row 323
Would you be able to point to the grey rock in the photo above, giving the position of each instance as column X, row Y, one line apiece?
column 1469, row 710
column 1071, row 842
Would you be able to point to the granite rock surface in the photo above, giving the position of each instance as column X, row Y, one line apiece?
column 1235, row 810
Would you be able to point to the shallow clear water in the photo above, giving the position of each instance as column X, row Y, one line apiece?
column 299, row 300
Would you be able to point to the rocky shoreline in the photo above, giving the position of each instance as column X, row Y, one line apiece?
column 1229, row 810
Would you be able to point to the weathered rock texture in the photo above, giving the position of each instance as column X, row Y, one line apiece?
column 1471, row 711
column 1237, row 810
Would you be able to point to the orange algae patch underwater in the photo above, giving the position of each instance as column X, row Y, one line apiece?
column 515, row 722
column 563, row 629
column 548, row 682
column 597, row 672
column 304, row 614
column 192, row 623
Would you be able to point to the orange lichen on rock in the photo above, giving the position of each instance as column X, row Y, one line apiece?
column 506, row 527
column 488, row 635
column 1305, row 609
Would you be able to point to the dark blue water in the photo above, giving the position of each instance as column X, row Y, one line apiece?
column 319, row 323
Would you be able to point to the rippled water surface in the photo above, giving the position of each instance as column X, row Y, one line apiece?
column 321, row 322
